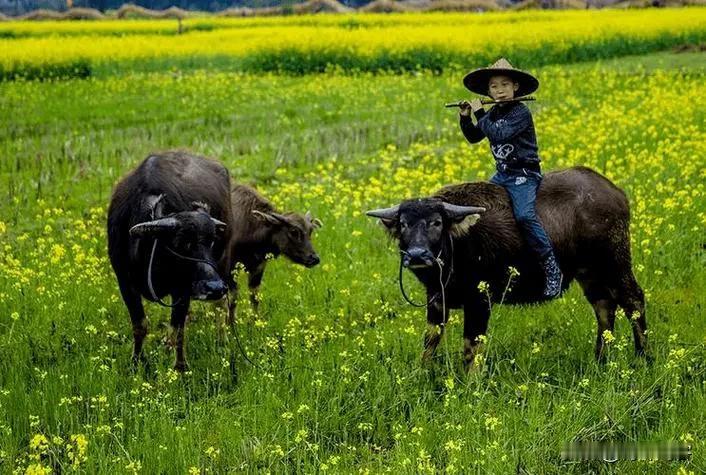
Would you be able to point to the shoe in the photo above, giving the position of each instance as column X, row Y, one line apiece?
column 553, row 278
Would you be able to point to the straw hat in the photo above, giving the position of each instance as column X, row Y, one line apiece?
column 477, row 80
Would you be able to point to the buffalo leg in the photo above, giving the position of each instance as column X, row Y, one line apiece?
column 476, row 314
column 605, row 318
column 604, row 304
column 632, row 299
column 133, row 302
column 436, row 320
column 254, row 280
column 178, row 322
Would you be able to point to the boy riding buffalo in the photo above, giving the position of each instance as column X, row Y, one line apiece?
column 509, row 128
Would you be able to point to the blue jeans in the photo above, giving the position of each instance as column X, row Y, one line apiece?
column 522, row 187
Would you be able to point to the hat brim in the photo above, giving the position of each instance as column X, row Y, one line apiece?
column 477, row 81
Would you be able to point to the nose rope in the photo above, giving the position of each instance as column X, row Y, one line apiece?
column 180, row 256
column 159, row 301
column 193, row 259
column 149, row 281
column 442, row 284
column 237, row 340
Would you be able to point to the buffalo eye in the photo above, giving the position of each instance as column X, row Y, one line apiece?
column 296, row 234
column 403, row 225
column 436, row 223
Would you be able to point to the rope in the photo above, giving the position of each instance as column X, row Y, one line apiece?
column 237, row 340
column 160, row 302
column 180, row 256
column 149, row 281
column 442, row 284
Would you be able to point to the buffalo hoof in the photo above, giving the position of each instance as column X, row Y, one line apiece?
column 181, row 366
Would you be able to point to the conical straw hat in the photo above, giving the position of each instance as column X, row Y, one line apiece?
column 477, row 80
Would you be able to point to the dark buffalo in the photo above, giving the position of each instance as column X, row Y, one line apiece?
column 168, row 224
column 259, row 231
column 467, row 233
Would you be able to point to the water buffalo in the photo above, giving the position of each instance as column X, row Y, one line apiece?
column 466, row 234
column 260, row 230
column 168, row 224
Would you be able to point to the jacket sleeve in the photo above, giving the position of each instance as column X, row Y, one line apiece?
column 507, row 127
column 472, row 133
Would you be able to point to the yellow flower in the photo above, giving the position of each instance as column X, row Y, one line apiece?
column 37, row 469
column 77, row 449
column 212, row 452
column 38, row 443
column 134, row 466
column 491, row 422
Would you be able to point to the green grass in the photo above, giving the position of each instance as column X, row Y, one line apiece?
column 339, row 385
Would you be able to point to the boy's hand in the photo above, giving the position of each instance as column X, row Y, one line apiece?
column 476, row 105
column 465, row 107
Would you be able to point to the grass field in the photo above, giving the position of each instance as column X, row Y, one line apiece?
column 339, row 386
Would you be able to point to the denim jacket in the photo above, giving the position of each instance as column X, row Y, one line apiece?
column 510, row 131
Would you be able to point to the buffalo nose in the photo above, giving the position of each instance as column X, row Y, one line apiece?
column 313, row 260
column 417, row 256
column 215, row 289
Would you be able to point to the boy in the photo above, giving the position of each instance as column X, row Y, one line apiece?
column 513, row 142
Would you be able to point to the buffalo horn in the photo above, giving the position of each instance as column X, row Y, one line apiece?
column 316, row 222
column 152, row 227
column 384, row 213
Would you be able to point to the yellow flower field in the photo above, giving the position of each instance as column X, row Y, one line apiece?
column 359, row 41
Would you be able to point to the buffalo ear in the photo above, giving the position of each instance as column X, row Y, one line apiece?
column 462, row 226
column 155, row 205
column 201, row 206
column 392, row 227
column 267, row 217
column 390, row 224
column 220, row 226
